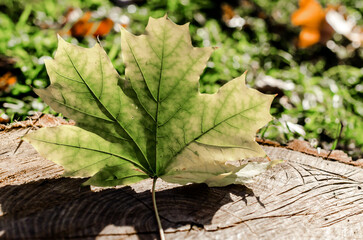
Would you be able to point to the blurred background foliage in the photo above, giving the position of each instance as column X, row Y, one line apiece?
column 319, row 88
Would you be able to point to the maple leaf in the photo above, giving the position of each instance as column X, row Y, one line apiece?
column 155, row 122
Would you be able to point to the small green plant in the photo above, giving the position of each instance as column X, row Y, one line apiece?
column 154, row 123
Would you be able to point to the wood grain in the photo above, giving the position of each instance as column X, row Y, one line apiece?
column 304, row 198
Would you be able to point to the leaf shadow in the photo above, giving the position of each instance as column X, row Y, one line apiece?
column 60, row 208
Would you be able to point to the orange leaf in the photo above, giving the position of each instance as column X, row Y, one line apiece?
column 104, row 27
column 308, row 37
column 228, row 12
column 7, row 80
column 310, row 14
column 83, row 27
column 311, row 17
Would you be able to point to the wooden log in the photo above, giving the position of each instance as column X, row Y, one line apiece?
column 306, row 197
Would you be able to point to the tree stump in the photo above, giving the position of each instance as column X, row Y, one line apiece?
column 306, row 197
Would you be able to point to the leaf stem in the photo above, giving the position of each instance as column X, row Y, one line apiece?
column 161, row 231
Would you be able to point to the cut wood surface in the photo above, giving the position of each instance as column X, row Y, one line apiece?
column 305, row 197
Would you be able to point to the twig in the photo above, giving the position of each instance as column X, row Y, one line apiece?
column 21, row 141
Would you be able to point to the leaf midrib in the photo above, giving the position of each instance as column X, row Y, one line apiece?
column 158, row 101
